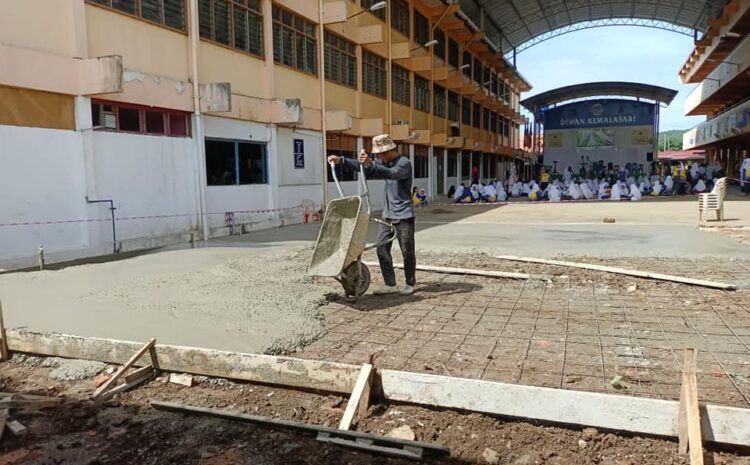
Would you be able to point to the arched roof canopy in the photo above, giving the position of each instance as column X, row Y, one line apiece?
column 513, row 24
column 598, row 89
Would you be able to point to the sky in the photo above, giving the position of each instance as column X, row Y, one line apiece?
column 614, row 53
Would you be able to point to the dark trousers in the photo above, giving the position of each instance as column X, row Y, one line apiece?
column 405, row 237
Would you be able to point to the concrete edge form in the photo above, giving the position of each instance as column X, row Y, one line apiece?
column 720, row 424
column 287, row 371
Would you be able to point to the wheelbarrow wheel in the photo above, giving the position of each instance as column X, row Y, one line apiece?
column 355, row 282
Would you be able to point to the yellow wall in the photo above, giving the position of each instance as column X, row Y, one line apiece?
column 306, row 8
column 439, row 125
column 340, row 97
column 290, row 83
column 400, row 112
column 247, row 74
column 144, row 47
column 33, row 108
column 46, row 25
column 420, row 120
column 373, row 107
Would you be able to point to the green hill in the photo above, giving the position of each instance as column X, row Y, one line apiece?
column 672, row 139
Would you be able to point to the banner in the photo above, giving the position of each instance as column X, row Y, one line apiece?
column 595, row 138
column 642, row 137
column 553, row 140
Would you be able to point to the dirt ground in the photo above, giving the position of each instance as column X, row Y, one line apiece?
column 127, row 430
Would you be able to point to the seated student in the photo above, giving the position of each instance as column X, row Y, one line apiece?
column 603, row 190
column 459, row 193
column 656, row 189
column 488, row 193
column 635, row 192
column 553, row 193
column 615, row 193
column 451, row 191
column 474, row 191
column 586, row 191
column 515, row 190
column 415, row 197
column 700, row 187
column 574, row 192
column 422, row 195
column 502, row 196
column 534, row 193
column 668, row 185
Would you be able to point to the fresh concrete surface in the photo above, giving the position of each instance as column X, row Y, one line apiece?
column 666, row 228
column 239, row 299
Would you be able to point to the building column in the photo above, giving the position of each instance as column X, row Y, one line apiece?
column 445, row 172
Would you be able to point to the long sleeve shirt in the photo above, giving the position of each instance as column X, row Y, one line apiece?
column 398, row 180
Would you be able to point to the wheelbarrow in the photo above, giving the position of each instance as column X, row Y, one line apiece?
column 343, row 238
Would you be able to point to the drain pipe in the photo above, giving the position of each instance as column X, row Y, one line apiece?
column 114, row 224
column 323, row 125
column 198, row 120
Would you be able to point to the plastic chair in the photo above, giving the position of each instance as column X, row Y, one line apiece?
column 713, row 201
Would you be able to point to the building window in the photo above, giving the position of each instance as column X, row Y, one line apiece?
column 466, row 164
column 452, row 163
column 486, row 119
column 230, row 163
column 373, row 74
column 438, row 101
column 421, row 29
column 467, row 61
column 366, row 4
column 493, row 123
column 476, row 115
column 400, row 16
column 453, row 53
column 341, row 60
column 123, row 117
column 342, row 145
column 506, row 127
column 401, row 85
column 478, row 71
column 466, row 111
column 453, row 106
column 421, row 94
column 170, row 13
column 439, row 48
column 421, row 161
column 235, row 23
column 486, row 78
column 294, row 42
column 489, row 167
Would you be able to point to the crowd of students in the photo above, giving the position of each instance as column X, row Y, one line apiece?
column 617, row 183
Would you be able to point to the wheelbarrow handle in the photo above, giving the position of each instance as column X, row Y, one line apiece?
column 336, row 179
column 386, row 241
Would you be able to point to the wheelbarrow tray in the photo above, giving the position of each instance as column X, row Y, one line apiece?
column 342, row 236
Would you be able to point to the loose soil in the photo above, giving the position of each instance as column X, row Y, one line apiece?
column 127, row 430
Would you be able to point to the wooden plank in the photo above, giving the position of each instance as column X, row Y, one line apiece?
column 692, row 412
column 4, row 412
column 611, row 269
column 181, row 379
column 124, row 368
column 468, row 271
column 360, row 398
column 122, row 388
column 269, row 369
column 721, row 424
column 16, row 428
column 4, row 355
column 139, row 373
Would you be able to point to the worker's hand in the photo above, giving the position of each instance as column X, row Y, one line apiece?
column 364, row 158
column 334, row 159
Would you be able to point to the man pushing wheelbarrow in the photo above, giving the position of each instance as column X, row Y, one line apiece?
column 398, row 210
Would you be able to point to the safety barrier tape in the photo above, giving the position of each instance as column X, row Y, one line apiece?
column 149, row 217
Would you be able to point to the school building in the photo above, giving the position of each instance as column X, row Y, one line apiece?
column 183, row 119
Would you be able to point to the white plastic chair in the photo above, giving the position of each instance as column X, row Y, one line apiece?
column 713, row 201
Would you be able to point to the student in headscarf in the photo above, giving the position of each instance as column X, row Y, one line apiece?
column 459, row 194
column 553, row 193
column 656, row 188
column 635, row 192
column 488, row 193
column 586, row 191
column 515, row 189
column 474, row 192
column 603, row 194
column 614, row 194
column 668, row 184
column 575, row 191
column 700, row 186
column 502, row 196
column 534, row 193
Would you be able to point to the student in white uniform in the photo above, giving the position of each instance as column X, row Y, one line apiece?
column 614, row 194
column 699, row 187
column 574, row 192
column 553, row 193
column 586, row 192
column 656, row 189
column 635, row 192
